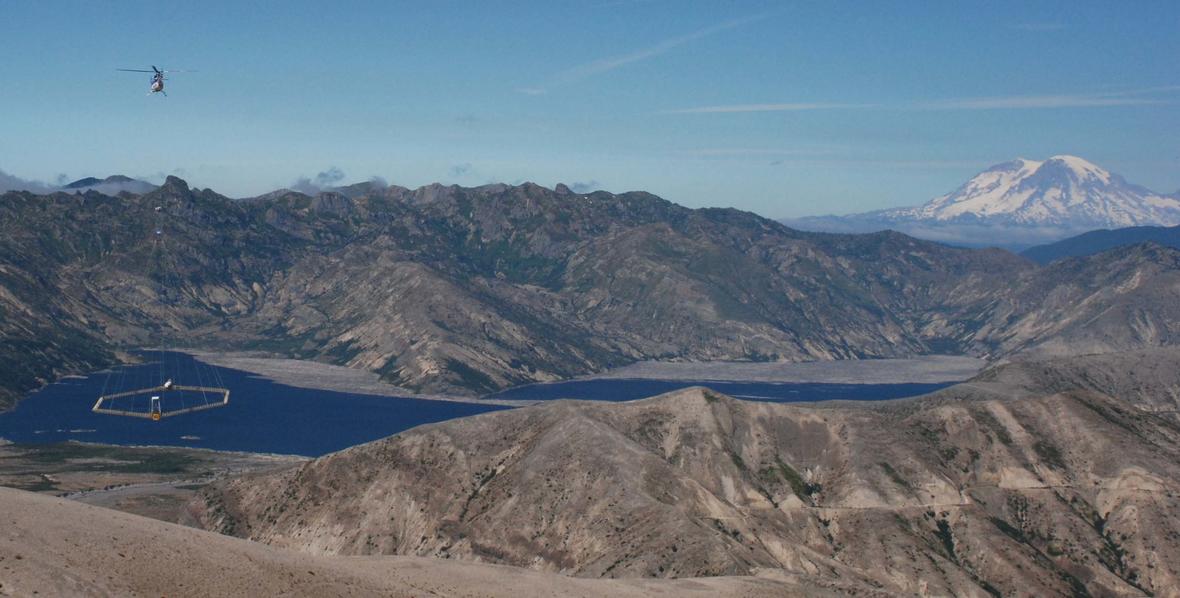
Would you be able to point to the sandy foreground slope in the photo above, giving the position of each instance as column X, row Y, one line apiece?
column 56, row 547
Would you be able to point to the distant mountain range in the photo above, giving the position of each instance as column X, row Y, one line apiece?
column 471, row 290
column 1101, row 240
column 112, row 185
column 1019, row 203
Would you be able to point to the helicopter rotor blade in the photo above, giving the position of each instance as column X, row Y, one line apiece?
column 133, row 70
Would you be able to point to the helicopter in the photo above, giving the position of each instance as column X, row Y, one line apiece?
column 157, row 78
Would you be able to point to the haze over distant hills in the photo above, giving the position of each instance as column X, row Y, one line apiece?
column 1020, row 203
column 112, row 185
column 1102, row 240
column 471, row 290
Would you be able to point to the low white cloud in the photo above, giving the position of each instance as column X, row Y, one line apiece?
column 322, row 180
column 10, row 182
column 585, row 186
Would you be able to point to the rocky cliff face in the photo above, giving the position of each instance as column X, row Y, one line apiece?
column 471, row 290
column 1025, row 480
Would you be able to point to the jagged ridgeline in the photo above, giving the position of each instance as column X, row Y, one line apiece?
column 449, row 289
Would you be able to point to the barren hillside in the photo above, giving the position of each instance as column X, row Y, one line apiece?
column 1015, row 481
column 56, row 547
column 471, row 290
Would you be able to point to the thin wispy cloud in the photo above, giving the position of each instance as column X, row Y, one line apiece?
column 847, row 162
column 1126, row 97
column 782, row 107
column 1033, row 102
column 1143, row 91
column 746, row 152
column 1130, row 97
column 1037, row 26
column 614, row 3
column 604, row 65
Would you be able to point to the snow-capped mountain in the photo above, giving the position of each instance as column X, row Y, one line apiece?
column 1063, row 191
column 1020, row 203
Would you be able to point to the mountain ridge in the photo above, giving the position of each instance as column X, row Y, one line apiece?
column 1103, row 240
column 539, row 285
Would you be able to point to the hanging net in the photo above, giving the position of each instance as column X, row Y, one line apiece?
column 169, row 383
column 161, row 401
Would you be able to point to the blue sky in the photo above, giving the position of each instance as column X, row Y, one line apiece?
column 786, row 109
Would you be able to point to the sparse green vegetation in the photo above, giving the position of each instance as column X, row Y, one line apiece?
column 989, row 421
column 1009, row 529
column 947, row 537
column 737, row 460
column 470, row 377
column 801, row 488
column 896, row 477
column 89, row 457
column 1049, row 454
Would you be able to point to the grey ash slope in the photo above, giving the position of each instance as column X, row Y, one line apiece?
column 1016, row 482
column 56, row 547
column 1122, row 299
column 448, row 289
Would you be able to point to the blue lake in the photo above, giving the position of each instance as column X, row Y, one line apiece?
column 628, row 389
column 264, row 416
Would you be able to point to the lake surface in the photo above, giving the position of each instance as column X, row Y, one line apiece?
column 268, row 417
column 615, row 389
column 262, row 416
